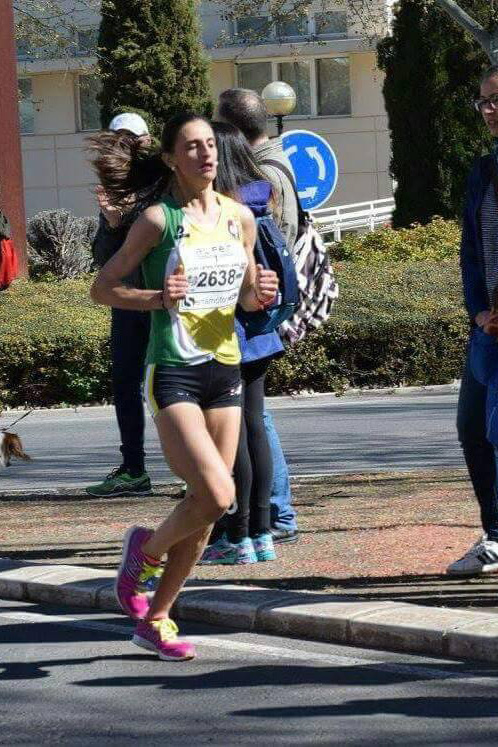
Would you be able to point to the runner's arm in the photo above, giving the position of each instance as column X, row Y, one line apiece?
column 260, row 285
column 108, row 288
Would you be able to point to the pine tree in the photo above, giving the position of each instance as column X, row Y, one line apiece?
column 433, row 69
column 151, row 60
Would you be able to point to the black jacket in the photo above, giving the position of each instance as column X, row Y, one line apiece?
column 108, row 240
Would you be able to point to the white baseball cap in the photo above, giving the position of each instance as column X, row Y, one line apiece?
column 131, row 122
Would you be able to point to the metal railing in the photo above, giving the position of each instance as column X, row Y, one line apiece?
column 359, row 215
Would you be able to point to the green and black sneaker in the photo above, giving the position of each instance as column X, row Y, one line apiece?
column 121, row 482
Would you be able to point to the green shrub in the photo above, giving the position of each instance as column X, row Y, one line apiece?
column 438, row 240
column 396, row 323
column 53, row 345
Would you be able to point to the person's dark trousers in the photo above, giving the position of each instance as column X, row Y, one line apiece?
column 478, row 452
column 253, row 469
column 129, row 338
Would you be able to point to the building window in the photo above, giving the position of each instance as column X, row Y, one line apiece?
column 333, row 86
column 89, row 87
column 87, row 41
column 297, row 75
column 254, row 28
column 322, row 84
column 26, row 106
column 296, row 27
column 23, row 50
column 331, row 23
column 254, row 75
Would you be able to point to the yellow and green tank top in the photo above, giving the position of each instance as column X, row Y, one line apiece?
column 200, row 327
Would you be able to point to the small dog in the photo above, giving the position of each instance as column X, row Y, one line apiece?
column 11, row 446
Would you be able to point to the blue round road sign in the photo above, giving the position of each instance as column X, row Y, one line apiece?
column 314, row 164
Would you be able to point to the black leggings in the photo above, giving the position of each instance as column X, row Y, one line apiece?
column 253, row 470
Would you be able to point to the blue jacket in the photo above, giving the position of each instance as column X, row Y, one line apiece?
column 256, row 196
column 484, row 366
column 471, row 249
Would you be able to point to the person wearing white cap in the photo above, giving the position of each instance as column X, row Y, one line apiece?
column 129, row 334
column 131, row 122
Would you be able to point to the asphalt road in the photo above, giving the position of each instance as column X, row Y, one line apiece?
column 321, row 434
column 72, row 677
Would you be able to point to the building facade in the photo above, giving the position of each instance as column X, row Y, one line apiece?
column 324, row 56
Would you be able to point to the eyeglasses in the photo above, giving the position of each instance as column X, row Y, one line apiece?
column 484, row 103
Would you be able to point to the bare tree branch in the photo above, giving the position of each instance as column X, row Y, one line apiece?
column 489, row 42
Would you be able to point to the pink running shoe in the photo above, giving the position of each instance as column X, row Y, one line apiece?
column 161, row 636
column 136, row 574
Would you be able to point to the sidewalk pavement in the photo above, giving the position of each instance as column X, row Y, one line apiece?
column 367, row 569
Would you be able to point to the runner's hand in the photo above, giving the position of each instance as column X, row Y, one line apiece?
column 491, row 324
column 266, row 285
column 175, row 287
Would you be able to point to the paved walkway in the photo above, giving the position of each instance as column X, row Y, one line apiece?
column 378, row 537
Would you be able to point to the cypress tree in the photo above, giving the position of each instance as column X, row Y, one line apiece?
column 151, row 60
column 433, row 70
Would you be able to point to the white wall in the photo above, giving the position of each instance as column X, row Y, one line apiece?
column 56, row 174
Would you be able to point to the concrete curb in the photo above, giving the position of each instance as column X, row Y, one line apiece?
column 392, row 626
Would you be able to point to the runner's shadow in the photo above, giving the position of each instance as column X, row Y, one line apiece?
column 430, row 707
column 35, row 670
column 291, row 675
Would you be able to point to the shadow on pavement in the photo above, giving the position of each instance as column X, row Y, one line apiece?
column 293, row 675
column 430, row 707
column 431, row 589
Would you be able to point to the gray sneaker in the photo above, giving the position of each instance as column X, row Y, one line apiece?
column 482, row 557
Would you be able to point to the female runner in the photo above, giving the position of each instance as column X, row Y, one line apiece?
column 196, row 251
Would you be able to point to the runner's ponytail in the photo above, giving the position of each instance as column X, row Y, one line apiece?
column 125, row 167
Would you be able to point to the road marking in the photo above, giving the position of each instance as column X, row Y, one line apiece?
column 252, row 650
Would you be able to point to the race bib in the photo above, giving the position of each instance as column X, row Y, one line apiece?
column 215, row 275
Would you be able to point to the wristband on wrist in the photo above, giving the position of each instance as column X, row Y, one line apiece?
column 162, row 301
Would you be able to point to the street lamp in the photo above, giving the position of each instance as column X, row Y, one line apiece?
column 280, row 99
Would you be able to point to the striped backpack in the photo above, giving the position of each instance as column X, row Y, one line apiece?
column 318, row 288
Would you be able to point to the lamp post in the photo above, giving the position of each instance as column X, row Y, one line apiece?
column 280, row 99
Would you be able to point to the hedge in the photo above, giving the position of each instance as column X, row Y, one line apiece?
column 395, row 323
column 436, row 241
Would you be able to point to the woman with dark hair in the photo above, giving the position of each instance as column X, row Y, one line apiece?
column 129, row 334
column 245, row 536
column 196, row 251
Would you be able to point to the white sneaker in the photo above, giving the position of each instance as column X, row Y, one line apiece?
column 481, row 558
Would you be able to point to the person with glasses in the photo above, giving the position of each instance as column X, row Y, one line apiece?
column 479, row 264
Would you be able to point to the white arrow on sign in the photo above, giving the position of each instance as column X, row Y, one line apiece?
column 308, row 192
column 290, row 151
column 316, row 156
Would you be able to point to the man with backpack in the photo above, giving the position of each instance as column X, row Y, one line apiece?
column 246, row 110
